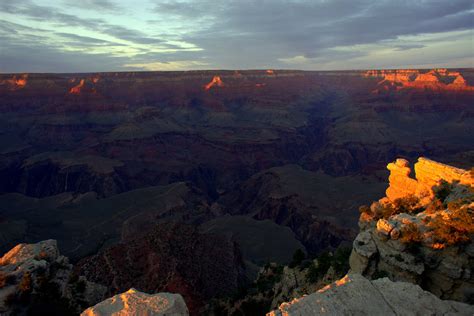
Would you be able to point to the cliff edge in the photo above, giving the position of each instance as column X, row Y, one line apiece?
column 356, row 295
column 422, row 231
column 36, row 279
column 133, row 302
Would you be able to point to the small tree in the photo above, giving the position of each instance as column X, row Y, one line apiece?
column 298, row 257
column 25, row 285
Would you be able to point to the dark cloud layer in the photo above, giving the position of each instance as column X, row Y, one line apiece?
column 278, row 29
column 234, row 33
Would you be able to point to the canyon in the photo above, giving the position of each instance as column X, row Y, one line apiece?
column 396, row 266
column 255, row 164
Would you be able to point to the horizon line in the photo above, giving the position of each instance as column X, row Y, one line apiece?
column 229, row 70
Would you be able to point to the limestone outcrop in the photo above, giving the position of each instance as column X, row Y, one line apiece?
column 422, row 231
column 133, row 302
column 39, row 275
column 356, row 295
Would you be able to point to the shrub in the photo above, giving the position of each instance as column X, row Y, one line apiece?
column 410, row 234
column 384, row 211
column 298, row 257
column 25, row 285
column 313, row 274
column 442, row 190
column 456, row 229
column 340, row 260
column 317, row 271
column 365, row 209
column 409, row 204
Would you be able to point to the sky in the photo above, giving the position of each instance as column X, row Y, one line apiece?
column 142, row 35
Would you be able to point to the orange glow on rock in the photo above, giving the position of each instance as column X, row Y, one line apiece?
column 16, row 82
column 270, row 72
column 338, row 283
column 95, row 79
column 21, row 82
column 412, row 78
column 77, row 89
column 216, row 81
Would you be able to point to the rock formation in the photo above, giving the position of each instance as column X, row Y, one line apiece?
column 77, row 88
column 16, row 82
column 356, row 295
column 434, row 79
column 216, row 81
column 35, row 277
column 429, row 174
column 422, row 232
column 173, row 258
column 85, row 85
column 134, row 302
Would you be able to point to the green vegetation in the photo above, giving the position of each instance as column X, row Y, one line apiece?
column 443, row 190
column 455, row 228
column 411, row 234
column 339, row 261
column 298, row 257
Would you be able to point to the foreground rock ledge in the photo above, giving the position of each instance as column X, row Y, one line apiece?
column 356, row 295
column 134, row 302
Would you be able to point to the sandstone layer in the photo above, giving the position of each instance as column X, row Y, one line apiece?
column 429, row 175
column 435, row 79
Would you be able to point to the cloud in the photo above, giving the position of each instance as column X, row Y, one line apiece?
column 306, row 34
column 86, row 40
column 46, row 13
column 106, row 5
column 269, row 30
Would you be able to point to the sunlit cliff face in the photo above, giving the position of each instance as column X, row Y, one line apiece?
column 77, row 89
column 412, row 78
column 270, row 72
column 16, row 82
column 216, row 81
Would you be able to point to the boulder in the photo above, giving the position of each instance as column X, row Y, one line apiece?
column 133, row 302
column 39, row 275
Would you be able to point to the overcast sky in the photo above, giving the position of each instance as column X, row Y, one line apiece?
column 121, row 35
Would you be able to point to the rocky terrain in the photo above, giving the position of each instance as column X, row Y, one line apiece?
column 171, row 258
column 256, row 164
column 413, row 252
column 36, row 280
column 422, row 231
column 134, row 302
column 356, row 295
